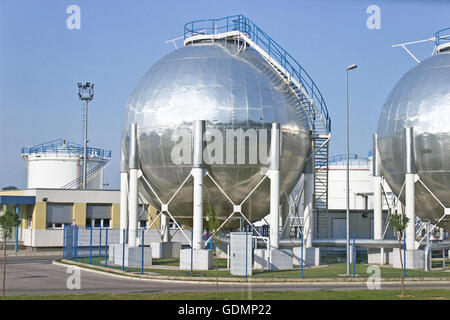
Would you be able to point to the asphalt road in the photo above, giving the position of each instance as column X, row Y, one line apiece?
column 38, row 276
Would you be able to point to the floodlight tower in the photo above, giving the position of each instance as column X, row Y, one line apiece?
column 86, row 94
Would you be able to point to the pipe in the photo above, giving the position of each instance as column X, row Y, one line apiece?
column 198, row 172
column 308, row 204
column 377, row 193
column 274, row 175
column 133, row 194
column 409, row 190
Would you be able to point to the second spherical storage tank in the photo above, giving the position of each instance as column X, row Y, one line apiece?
column 231, row 89
column 421, row 99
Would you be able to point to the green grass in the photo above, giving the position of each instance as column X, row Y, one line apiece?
column 331, row 271
column 438, row 294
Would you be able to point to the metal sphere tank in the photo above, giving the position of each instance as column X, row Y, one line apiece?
column 421, row 99
column 229, row 88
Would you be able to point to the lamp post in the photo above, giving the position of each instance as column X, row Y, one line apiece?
column 351, row 67
column 86, row 94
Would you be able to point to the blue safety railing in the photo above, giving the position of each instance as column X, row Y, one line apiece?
column 440, row 37
column 62, row 146
column 273, row 49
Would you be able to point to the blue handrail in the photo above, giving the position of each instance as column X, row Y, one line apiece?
column 439, row 37
column 61, row 146
column 275, row 51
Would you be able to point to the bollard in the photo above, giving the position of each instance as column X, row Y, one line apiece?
column 106, row 249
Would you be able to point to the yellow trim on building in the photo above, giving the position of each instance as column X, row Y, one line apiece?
column 115, row 215
column 152, row 212
column 39, row 219
column 79, row 214
column 23, row 211
column 12, row 193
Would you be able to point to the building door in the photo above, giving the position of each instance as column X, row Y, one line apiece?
column 339, row 228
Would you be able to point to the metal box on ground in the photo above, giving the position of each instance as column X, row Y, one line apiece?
column 241, row 253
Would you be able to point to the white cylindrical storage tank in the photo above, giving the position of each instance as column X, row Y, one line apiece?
column 58, row 164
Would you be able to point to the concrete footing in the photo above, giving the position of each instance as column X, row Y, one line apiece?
column 202, row 259
column 165, row 250
column 280, row 259
column 415, row 259
column 379, row 256
column 133, row 255
column 311, row 256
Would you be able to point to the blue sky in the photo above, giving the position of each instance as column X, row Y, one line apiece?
column 41, row 61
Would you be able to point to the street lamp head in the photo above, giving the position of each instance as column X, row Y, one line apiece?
column 351, row 67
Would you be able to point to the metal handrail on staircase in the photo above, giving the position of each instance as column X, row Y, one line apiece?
column 244, row 25
column 89, row 176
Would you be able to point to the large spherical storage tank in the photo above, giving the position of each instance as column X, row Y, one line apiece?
column 229, row 88
column 421, row 99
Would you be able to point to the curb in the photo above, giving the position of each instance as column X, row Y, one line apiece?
column 237, row 281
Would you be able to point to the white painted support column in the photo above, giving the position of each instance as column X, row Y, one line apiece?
column 377, row 193
column 274, row 175
column 123, row 203
column 409, row 190
column 198, row 173
column 133, row 194
column 308, row 214
column 165, row 228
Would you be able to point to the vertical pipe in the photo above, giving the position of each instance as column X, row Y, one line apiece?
column 133, row 195
column 228, row 256
column 347, row 191
column 106, row 249
column 76, row 243
column 377, row 208
column 192, row 250
column 64, row 241
column 409, row 190
column 301, row 255
column 354, row 255
column 308, row 217
column 246, row 253
column 100, row 242
column 90, row 246
column 165, row 228
column 275, row 185
column 16, row 236
column 142, row 252
column 123, row 200
column 198, row 174
column 85, row 144
column 123, row 252
column 404, row 256
column 427, row 248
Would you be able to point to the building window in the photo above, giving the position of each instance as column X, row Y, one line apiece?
column 98, row 223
